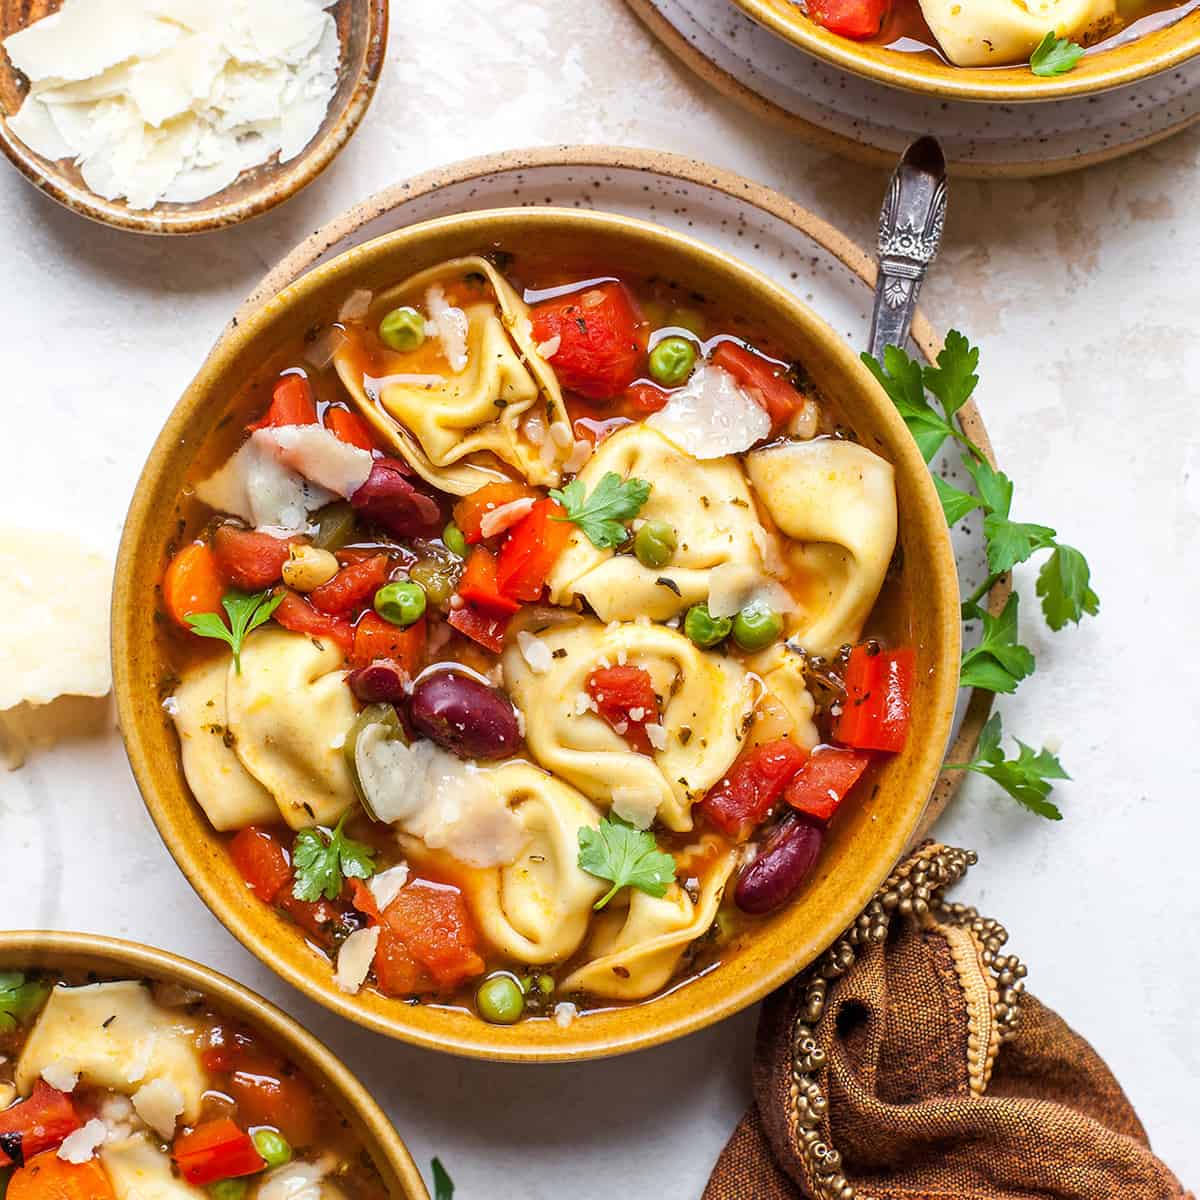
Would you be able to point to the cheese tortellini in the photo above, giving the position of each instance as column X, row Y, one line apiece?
column 989, row 33
column 634, row 951
column 139, row 1170
column 836, row 499
column 475, row 396
column 708, row 502
column 705, row 700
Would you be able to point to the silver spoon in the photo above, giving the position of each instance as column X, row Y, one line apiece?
column 910, row 231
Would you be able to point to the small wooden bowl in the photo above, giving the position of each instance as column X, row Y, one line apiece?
column 362, row 31
column 109, row 958
column 862, row 848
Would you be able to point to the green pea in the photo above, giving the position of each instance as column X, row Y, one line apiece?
column 671, row 361
column 654, row 544
column 274, row 1147
column 757, row 626
column 455, row 540
column 500, row 1000
column 402, row 329
column 400, row 603
column 703, row 628
column 227, row 1189
column 335, row 526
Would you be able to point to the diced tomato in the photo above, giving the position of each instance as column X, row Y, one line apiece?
column 531, row 550
column 433, row 923
column 763, row 380
column 376, row 638
column 850, row 18
column 323, row 919
column 48, row 1177
column 250, row 560
column 822, row 782
column 599, row 350
column 646, row 397
column 397, row 973
column 486, row 628
column 214, row 1151
column 291, row 404
column 277, row 1096
column 478, row 584
column 352, row 586
column 192, row 583
column 231, row 1047
column 878, row 705
column 295, row 613
column 363, row 899
column 261, row 861
column 626, row 700
column 469, row 511
column 740, row 801
column 41, row 1122
column 349, row 427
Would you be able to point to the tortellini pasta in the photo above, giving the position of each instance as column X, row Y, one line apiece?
column 990, row 33
column 838, row 500
column 139, row 1170
column 477, row 395
column 634, row 951
column 705, row 701
column 113, row 1035
column 289, row 711
column 536, row 909
column 708, row 502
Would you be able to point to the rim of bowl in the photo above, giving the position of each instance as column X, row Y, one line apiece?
column 279, row 183
column 46, row 949
column 1154, row 52
column 501, row 1043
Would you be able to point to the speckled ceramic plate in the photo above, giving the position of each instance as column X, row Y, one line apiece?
column 762, row 227
column 873, row 122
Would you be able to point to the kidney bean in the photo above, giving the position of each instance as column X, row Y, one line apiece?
column 464, row 716
column 392, row 502
column 782, row 865
column 379, row 682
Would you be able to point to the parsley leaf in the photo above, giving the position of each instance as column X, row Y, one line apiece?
column 995, row 488
column 1025, row 778
column 246, row 613
column 19, row 998
column 322, row 866
column 627, row 856
column 601, row 515
column 443, row 1185
column 1064, row 586
column 901, row 378
column 955, row 504
column 953, row 379
column 1055, row 55
column 1012, row 542
column 999, row 662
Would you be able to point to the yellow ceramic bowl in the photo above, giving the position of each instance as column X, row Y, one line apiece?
column 112, row 959
column 861, row 849
column 1157, row 51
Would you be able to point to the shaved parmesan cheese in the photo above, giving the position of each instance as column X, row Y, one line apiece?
column 497, row 520
column 60, row 1076
column 320, row 456
column 354, row 959
column 385, row 886
column 534, row 651
column 173, row 99
column 550, row 347
column 449, row 326
column 711, row 416
column 565, row 1013
column 159, row 1103
column 638, row 806
column 356, row 305
column 657, row 736
column 732, row 586
column 80, row 1146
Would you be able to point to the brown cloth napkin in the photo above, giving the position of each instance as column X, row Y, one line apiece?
column 909, row 1064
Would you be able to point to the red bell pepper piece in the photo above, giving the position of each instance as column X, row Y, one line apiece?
column 599, row 350
column 823, row 781
column 620, row 693
column 531, row 550
column 486, row 628
column 479, row 586
column 376, row 638
column 432, row 922
column 470, row 510
column 249, row 560
column 291, row 404
column 764, row 381
column 851, row 18
column 37, row 1124
column 295, row 613
column 878, row 706
column 353, row 586
column 741, row 799
column 646, row 397
column 261, row 861
column 214, row 1151
column 349, row 427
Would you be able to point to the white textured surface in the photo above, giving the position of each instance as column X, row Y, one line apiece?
column 1083, row 293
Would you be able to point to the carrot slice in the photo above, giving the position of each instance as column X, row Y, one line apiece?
column 48, row 1177
column 192, row 583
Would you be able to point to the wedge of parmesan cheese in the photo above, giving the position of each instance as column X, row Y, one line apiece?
column 710, row 416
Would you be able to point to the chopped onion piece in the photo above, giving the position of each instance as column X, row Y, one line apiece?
column 354, row 959
column 324, row 347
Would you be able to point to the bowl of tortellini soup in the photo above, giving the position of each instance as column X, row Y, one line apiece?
column 1003, row 51
column 127, row 1073
column 536, row 634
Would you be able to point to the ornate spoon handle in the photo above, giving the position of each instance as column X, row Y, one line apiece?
column 910, row 230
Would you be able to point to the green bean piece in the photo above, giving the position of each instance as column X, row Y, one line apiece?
column 227, row 1189
column 402, row 329
column 401, row 603
column 704, row 629
column 500, row 1000
column 757, row 626
column 654, row 544
column 455, row 540
column 335, row 526
column 274, row 1147
column 672, row 361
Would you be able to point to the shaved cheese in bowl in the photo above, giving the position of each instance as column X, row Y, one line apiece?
column 354, row 959
column 710, row 416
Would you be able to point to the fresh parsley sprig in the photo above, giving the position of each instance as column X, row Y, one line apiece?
column 246, row 613
column 20, row 998
column 999, row 662
column 443, row 1185
column 1025, row 778
column 625, row 856
column 1055, row 55
column 323, row 864
column 602, row 515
